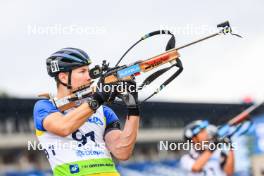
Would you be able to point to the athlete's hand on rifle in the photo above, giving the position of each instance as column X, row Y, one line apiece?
column 104, row 93
column 130, row 97
column 224, row 140
column 220, row 143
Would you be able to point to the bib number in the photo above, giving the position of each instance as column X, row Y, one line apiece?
column 83, row 138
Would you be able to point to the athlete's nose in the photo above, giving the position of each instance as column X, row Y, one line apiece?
column 88, row 77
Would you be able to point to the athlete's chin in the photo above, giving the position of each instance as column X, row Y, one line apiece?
column 80, row 85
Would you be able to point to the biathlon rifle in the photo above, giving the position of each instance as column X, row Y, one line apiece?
column 241, row 123
column 129, row 72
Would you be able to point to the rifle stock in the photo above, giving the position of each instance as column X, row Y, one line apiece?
column 127, row 73
column 244, row 115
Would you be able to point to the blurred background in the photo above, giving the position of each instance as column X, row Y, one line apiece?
column 221, row 77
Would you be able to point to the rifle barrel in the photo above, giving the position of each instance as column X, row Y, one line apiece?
column 197, row 41
column 244, row 115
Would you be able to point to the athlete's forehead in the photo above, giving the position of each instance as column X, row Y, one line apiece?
column 85, row 67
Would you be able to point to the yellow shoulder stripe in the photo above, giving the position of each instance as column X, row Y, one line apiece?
column 39, row 133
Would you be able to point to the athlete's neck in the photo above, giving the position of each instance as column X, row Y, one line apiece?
column 62, row 91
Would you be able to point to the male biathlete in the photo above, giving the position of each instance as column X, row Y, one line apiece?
column 202, row 159
column 80, row 141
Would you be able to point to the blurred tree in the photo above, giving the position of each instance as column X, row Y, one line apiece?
column 4, row 94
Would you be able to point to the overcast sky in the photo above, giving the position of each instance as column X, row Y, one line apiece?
column 223, row 69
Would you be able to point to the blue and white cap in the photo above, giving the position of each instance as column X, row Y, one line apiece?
column 194, row 128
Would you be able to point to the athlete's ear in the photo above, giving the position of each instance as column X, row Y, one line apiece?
column 63, row 77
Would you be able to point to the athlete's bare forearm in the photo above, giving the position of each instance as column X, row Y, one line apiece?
column 63, row 125
column 229, row 166
column 201, row 161
column 121, row 143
